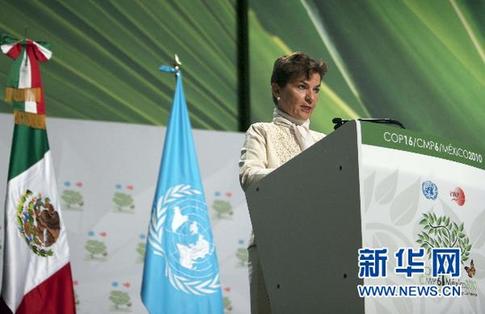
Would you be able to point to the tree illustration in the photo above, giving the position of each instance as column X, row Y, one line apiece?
column 76, row 298
column 120, row 298
column 141, row 250
column 242, row 256
column 71, row 198
column 227, row 305
column 95, row 247
column 123, row 200
column 222, row 208
column 441, row 232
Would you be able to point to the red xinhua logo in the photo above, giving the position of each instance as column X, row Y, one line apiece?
column 458, row 196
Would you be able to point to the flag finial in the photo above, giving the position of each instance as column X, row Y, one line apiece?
column 176, row 63
column 174, row 67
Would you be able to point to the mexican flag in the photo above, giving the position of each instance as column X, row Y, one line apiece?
column 36, row 270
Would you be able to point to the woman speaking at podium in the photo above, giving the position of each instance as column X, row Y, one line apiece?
column 295, row 85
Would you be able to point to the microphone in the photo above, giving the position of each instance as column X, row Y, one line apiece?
column 338, row 122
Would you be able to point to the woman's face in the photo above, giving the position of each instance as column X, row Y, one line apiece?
column 299, row 97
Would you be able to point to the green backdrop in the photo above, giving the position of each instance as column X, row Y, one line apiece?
column 106, row 56
column 421, row 62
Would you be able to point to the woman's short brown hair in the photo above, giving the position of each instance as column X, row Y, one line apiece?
column 290, row 67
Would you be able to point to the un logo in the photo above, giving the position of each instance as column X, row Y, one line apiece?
column 430, row 190
column 181, row 223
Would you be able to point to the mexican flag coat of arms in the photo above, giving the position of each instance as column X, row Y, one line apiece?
column 36, row 271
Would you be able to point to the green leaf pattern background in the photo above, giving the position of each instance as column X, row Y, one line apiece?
column 106, row 56
column 421, row 62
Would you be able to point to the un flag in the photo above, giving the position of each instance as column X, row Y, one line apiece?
column 181, row 273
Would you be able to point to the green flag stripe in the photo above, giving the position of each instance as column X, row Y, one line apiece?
column 14, row 74
column 29, row 145
column 405, row 140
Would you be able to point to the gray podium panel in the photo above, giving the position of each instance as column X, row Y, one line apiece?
column 307, row 223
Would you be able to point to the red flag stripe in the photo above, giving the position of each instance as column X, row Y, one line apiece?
column 15, row 51
column 42, row 299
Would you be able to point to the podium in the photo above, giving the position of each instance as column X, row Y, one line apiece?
column 360, row 186
column 299, row 214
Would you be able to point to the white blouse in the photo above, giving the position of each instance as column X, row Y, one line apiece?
column 268, row 146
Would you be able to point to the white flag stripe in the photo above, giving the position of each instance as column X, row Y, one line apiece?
column 27, row 270
column 25, row 75
column 7, row 47
column 31, row 106
column 46, row 52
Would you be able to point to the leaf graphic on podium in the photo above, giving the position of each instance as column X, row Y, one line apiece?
column 448, row 211
column 405, row 205
column 402, row 305
column 385, row 239
column 369, row 190
column 386, row 189
column 443, row 303
column 394, row 237
column 474, row 304
column 380, row 308
column 477, row 231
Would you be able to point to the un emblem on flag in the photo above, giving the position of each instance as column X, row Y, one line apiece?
column 180, row 233
column 430, row 190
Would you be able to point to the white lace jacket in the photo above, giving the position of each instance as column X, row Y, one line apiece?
column 267, row 146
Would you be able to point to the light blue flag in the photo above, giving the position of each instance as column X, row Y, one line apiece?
column 181, row 273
